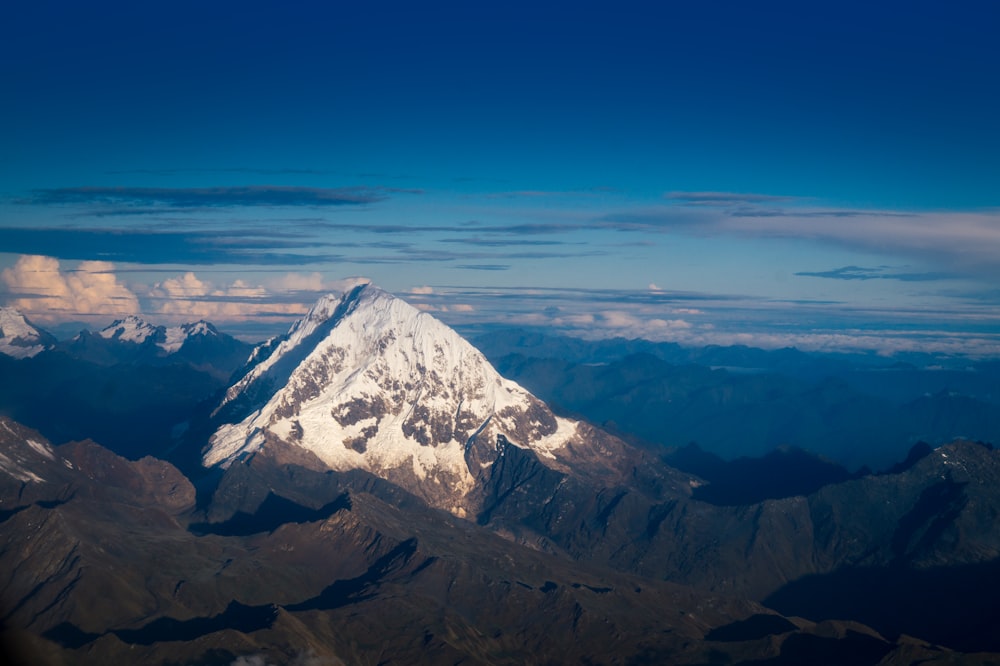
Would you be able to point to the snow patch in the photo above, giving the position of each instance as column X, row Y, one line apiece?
column 174, row 340
column 42, row 449
column 11, row 468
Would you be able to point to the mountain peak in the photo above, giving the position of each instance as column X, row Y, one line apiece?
column 366, row 380
column 130, row 329
column 20, row 338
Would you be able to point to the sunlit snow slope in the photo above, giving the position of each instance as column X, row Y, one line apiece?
column 367, row 381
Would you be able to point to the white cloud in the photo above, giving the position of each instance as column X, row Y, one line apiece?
column 188, row 297
column 420, row 291
column 42, row 290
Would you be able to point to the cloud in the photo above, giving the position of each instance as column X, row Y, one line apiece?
column 502, row 242
column 41, row 289
column 880, row 273
column 188, row 297
column 199, row 197
column 422, row 290
column 722, row 198
column 484, row 267
column 258, row 247
column 958, row 242
column 301, row 282
column 653, row 287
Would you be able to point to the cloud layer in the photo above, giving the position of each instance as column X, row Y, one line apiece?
column 41, row 288
column 38, row 286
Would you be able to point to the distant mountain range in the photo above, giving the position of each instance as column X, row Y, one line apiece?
column 369, row 489
column 133, row 386
column 855, row 410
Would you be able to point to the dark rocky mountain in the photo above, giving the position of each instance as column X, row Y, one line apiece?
column 375, row 492
column 107, row 560
column 132, row 386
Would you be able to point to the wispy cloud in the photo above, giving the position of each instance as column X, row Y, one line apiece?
column 543, row 194
column 697, row 319
column 257, row 247
column 878, row 273
column 202, row 197
column 958, row 242
column 504, row 242
column 207, row 170
column 722, row 198
column 484, row 267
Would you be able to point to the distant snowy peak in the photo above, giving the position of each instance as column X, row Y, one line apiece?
column 136, row 330
column 367, row 381
column 130, row 329
column 19, row 338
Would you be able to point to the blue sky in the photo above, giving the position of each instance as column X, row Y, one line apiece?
column 823, row 175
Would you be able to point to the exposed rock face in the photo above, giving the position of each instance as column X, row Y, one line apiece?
column 368, row 382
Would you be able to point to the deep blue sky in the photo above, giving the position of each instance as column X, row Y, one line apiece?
column 818, row 174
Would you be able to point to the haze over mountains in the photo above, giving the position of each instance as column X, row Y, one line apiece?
column 369, row 489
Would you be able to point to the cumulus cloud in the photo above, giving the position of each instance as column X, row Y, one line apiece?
column 40, row 288
column 189, row 297
column 457, row 307
column 422, row 290
column 301, row 282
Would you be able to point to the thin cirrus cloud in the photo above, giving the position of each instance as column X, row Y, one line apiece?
column 213, row 197
column 159, row 247
column 722, row 198
column 879, row 273
column 961, row 241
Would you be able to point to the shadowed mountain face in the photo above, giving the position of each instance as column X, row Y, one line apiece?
column 379, row 494
column 134, row 387
column 285, row 563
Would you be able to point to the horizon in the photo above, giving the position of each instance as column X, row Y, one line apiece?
column 772, row 176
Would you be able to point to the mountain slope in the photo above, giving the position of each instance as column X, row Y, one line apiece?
column 106, row 563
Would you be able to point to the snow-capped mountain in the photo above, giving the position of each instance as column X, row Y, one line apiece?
column 366, row 381
column 136, row 330
column 19, row 338
column 133, row 340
